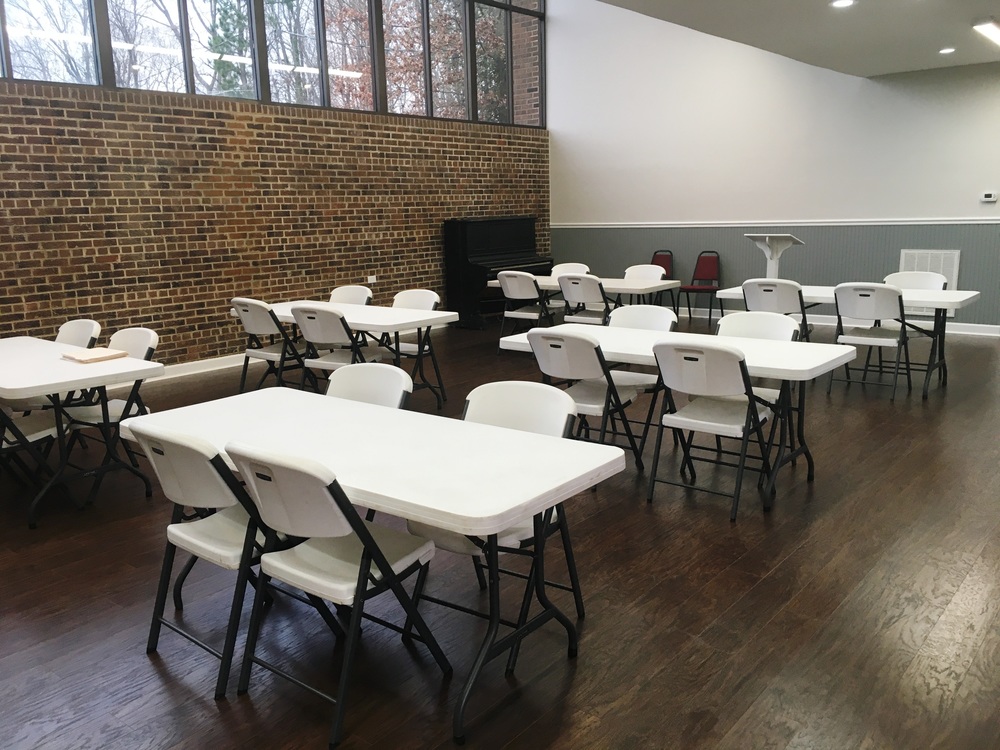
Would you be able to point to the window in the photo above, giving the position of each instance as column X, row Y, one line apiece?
column 492, row 82
column 448, row 65
column 221, row 48
column 403, row 30
column 292, row 54
column 51, row 40
column 477, row 60
column 349, row 54
column 146, row 40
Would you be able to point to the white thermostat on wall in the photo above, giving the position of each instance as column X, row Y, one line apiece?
column 990, row 196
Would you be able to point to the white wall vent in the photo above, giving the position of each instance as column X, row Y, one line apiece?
column 939, row 261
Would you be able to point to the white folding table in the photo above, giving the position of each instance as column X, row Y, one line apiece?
column 942, row 301
column 390, row 321
column 32, row 368
column 773, row 245
column 612, row 286
column 787, row 361
column 470, row 478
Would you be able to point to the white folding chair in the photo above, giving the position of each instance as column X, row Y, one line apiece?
column 777, row 296
column 330, row 342
column 560, row 268
column 267, row 341
column 578, row 360
column 651, row 318
column 524, row 302
column 423, row 349
column 341, row 559
column 26, row 441
column 529, row 407
column 723, row 405
column 80, row 332
column 646, row 272
column 219, row 529
column 373, row 383
column 106, row 415
column 876, row 303
column 352, row 294
column 585, row 299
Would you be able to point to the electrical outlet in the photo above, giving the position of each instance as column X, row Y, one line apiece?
column 371, row 279
column 990, row 196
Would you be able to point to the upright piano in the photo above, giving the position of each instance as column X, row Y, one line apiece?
column 475, row 250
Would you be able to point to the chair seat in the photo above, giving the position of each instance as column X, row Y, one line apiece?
column 328, row 568
column 217, row 538
column 81, row 416
column 408, row 349
column 717, row 416
column 874, row 336
column 531, row 312
column 270, row 353
column 35, row 426
column 771, row 395
column 590, row 396
column 331, row 360
column 460, row 544
column 592, row 317
column 642, row 382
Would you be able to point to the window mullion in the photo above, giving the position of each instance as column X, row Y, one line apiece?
column 381, row 87
column 5, row 62
column 428, row 85
column 471, row 73
column 324, row 58
column 186, row 53
column 509, row 53
column 258, row 29
column 103, row 50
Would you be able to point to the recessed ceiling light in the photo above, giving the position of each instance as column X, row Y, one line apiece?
column 947, row 50
column 989, row 29
column 842, row 3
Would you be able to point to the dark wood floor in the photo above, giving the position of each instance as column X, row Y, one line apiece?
column 863, row 612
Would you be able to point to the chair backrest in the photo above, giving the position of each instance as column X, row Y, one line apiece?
column 702, row 369
column 868, row 301
column 417, row 299
column 645, row 271
column 81, row 332
column 256, row 317
column 521, row 405
column 138, row 342
column 917, row 280
column 292, row 494
column 665, row 260
column 371, row 382
column 185, row 466
column 648, row 317
column 773, row 295
column 322, row 326
column 352, row 294
column 707, row 268
column 567, row 356
column 518, row 285
column 581, row 289
column 560, row 268
column 758, row 324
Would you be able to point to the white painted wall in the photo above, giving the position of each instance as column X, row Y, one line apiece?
column 653, row 123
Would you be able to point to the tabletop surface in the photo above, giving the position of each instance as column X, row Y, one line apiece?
column 942, row 299
column 466, row 477
column 784, row 360
column 611, row 285
column 32, row 367
column 372, row 318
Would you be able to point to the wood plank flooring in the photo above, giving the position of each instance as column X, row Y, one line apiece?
column 862, row 612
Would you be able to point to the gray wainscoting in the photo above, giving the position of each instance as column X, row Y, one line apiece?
column 831, row 254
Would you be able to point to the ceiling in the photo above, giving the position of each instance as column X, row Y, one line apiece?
column 871, row 38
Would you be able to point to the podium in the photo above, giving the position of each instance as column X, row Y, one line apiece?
column 773, row 245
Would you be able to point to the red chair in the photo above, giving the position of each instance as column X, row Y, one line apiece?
column 705, row 280
column 665, row 260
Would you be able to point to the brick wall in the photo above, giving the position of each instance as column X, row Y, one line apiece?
column 139, row 208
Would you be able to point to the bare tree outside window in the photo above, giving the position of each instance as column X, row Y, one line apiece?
column 349, row 52
column 51, row 40
column 146, row 43
column 448, row 62
column 403, row 28
column 491, row 64
column 221, row 48
column 292, row 54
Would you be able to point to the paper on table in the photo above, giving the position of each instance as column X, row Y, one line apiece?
column 99, row 354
